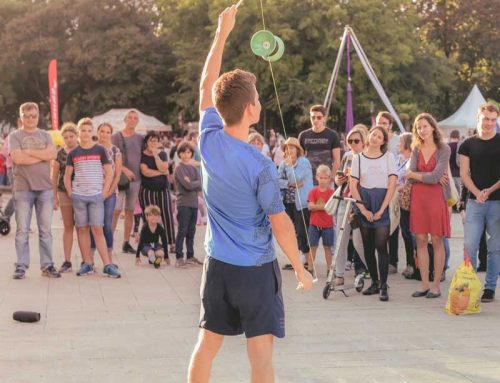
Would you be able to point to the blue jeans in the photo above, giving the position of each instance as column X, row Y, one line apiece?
column 186, row 219
column 477, row 217
column 43, row 201
column 109, row 208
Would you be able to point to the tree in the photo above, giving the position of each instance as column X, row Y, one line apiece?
column 108, row 52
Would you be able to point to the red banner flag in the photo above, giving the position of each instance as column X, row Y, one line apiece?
column 53, row 96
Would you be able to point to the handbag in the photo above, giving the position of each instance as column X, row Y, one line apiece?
column 405, row 196
column 394, row 212
column 124, row 182
column 454, row 197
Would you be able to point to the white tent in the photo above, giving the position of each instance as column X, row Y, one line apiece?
column 115, row 117
column 465, row 118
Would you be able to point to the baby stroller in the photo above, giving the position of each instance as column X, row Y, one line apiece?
column 4, row 221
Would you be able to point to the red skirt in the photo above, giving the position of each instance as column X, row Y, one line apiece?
column 428, row 210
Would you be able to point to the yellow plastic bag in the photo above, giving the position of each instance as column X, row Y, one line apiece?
column 465, row 291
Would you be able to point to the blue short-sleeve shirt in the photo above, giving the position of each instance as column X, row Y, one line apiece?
column 240, row 186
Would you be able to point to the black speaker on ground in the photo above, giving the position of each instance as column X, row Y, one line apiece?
column 26, row 316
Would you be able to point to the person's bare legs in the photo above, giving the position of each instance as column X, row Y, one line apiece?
column 100, row 244
column 127, row 225
column 84, row 242
column 328, row 256
column 205, row 351
column 116, row 217
column 423, row 259
column 260, row 354
column 439, row 259
column 69, row 226
column 311, row 256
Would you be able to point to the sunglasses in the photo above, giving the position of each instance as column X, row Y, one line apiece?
column 354, row 141
column 33, row 116
column 314, row 117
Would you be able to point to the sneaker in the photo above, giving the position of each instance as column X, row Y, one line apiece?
column 383, row 296
column 193, row 261
column 19, row 273
column 111, row 271
column 408, row 272
column 65, row 267
column 85, row 269
column 373, row 289
column 126, row 248
column 393, row 269
column 488, row 296
column 179, row 263
column 157, row 262
column 51, row 272
column 348, row 266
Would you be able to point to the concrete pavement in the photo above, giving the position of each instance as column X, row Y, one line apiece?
column 142, row 328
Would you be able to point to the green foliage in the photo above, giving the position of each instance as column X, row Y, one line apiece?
column 108, row 53
column 150, row 53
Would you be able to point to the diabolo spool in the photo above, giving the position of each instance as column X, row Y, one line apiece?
column 267, row 45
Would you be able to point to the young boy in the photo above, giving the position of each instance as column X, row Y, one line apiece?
column 188, row 182
column 88, row 190
column 149, row 240
column 321, row 223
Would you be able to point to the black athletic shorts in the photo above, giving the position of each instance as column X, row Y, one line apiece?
column 242, row 299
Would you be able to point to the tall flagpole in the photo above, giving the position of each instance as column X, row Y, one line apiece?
column 53, row 95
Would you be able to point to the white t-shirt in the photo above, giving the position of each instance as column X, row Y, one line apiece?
column 375, row 172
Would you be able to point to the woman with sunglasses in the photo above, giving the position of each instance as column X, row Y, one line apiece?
column 373, row 180
column 155, row 187
column 355, row 142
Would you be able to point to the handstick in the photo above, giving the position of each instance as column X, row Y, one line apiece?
column 239, row 3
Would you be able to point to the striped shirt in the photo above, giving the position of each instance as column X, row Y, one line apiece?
column 88, row 169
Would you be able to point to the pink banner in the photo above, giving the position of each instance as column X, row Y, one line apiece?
column 53, row 96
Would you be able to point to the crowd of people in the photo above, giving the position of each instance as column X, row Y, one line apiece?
column 379, row 166
column 95, row 178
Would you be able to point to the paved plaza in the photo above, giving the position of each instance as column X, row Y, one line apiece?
column 142, row 328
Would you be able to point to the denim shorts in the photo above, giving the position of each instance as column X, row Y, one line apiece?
column 89, row 210
column 242, row 299
column 315, row 233
column 150, row 246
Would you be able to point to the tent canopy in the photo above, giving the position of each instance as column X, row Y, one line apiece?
column 465, row 118
column 116, row 117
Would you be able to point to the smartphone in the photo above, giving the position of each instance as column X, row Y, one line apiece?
column 340, row 173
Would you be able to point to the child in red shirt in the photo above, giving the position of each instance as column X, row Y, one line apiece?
column 321, row 223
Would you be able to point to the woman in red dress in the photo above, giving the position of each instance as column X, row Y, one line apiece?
column 428, row 204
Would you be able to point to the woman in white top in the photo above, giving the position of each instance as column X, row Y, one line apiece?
column 373, row 180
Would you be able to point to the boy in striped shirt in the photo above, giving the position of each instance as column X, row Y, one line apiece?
column 93, row 174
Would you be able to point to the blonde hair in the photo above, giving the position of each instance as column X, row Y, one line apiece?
column 28, row 106
column 85, row 121
column 323, row 169
column 152, row 210
column 69, row 127
column 256, row 136
column 359, row 129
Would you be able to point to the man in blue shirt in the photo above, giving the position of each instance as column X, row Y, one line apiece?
column 241, row 284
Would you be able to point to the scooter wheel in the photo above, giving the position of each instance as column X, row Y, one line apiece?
column 4, row 228
column 326, row 290
column 360, row 284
